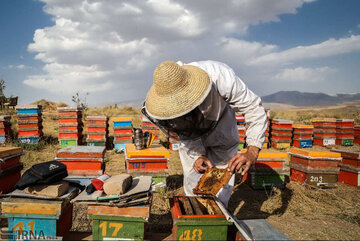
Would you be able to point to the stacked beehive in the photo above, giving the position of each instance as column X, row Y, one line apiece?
column 5, row 128
column 344, row 132
column 357, row 134
column 349, row 167
column 281, row 132
column 123, row 131
column 324, row 131
column 29, row 123
column 302, row 136
column 152, row 160
column 10, row 168
column 83, row 160
column 147, row 126
column 70, row 126
column 240, row 119
column 317, row 169
column 269, row 170
column 97, row 130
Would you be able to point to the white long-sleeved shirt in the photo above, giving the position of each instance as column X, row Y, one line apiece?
column 233, row 90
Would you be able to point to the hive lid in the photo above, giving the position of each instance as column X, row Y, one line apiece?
column 281, row 121
column 314, row 153
column 212, row 181
column 27, row 107
column 348, row 153
column 122, row 119
column 344, row 120
column 266, row 154
column 10, row 151
column 96, row 117
column 153, row 151
column 323, row 120
column 303, row 126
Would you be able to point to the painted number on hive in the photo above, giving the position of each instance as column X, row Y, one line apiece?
column 316, row 179
column 19, row 227
column 138, row 165
column 188, row 235
column 112, row 228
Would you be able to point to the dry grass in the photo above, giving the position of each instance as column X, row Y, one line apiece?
column 299, row 212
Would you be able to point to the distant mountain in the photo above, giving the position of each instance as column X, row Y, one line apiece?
column 297, row 98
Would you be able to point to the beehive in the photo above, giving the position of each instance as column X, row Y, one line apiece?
column 302, row 136
column 70, row 126
column 29, row 124
column 97, row 130
column 5, row 129
column 125, row 223
column 196, row 218
column 37, row 219
column 150, row 160
column 123, row 130
column 324, row 131
column 281, row 133
column 269, row 170
column 10, row 168
column 318, row 169
column 83, row 160
column 349, row 167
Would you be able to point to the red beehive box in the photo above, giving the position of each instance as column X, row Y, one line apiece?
column 281, row 124
column 10, row 168
column 149, row 160
column 303, row 129
column 349, row 158
column 315, row 160
column 324, row 122
column 82, row 160
column 349, row 175
column 314, row 178
column 348, row 123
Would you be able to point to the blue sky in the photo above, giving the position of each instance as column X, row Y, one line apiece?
column 110, row 48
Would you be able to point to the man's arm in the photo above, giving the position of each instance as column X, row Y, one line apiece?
column 240, row 98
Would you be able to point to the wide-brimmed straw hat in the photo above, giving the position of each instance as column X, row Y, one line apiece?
column 176, row 91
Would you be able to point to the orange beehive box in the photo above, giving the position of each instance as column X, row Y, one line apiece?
column 279, row 145
column 303, row 136
column 29, row 133
column 70, row 135
column 303, row 128
column 96, row 129
column 81, row 152
column 122, row 138
column 281, row 138
column 123, row 131
column 84, row 167
column 281, row 123
column 70, row 120
column 96, row 136
column 281, row 132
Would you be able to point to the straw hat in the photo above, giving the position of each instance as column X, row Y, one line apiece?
column 177, row 90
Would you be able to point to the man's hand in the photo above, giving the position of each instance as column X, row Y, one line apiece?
column 248, row 158
column 201, row 164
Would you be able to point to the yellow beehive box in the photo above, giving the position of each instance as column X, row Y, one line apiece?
column 153, row 151
column 265, row 154
column 314, row 153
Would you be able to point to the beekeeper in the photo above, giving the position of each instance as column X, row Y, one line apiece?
column 195, row 104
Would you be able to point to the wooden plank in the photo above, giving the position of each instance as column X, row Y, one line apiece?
column 195, row 204
column 31, row 206
column 135, row 212
column 9, row 151
column 187, row 206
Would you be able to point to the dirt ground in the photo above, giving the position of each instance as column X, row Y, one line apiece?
column 298, row 211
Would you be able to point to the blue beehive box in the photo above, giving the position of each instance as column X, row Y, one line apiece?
column 306, row 143
column 120, row 146
column 29, row 140
column 28, row 109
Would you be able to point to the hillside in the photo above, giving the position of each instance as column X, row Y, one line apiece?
column 297, row 98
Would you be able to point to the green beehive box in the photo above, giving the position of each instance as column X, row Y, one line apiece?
column 126, row 223
column 96, row 144
column 347, row 142
column 261, row 180
column 65, row 143
column 195, row 226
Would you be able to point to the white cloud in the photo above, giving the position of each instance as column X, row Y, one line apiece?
column 110, row 48
column 19, row 67
column 327, row 48
column 304, row 75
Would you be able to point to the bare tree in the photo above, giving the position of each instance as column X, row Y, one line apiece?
column 80, row 101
